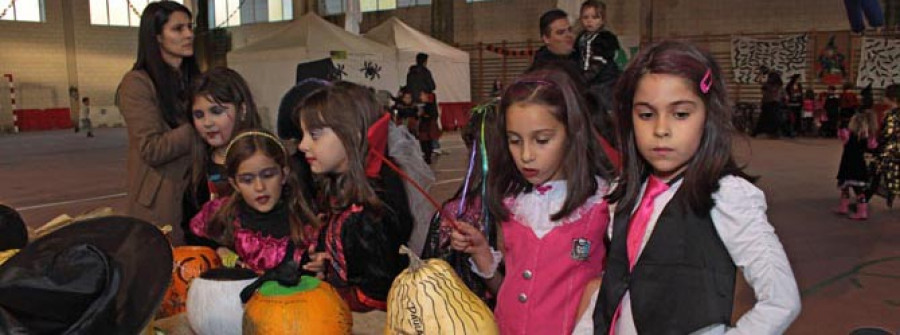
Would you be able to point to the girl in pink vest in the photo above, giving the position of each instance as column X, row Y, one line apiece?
column 546, row 186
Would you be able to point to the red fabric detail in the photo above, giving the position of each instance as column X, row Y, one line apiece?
column 412, row 182
column 335, row 246
column 359, row 302
column 377, row 136
column 212, row 189
column 611, row 153
column 355, row 208
column 849, row 100
column 370, row 302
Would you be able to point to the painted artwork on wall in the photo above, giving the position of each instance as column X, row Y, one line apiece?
column 832, row 67
column 752, row 58
column 880, row 62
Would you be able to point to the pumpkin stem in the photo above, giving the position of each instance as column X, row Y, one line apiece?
column 415, row 263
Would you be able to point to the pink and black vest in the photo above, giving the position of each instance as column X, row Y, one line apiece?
column 682, row 282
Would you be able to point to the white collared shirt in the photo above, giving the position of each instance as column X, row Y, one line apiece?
column 739, row 216
column 536, row 207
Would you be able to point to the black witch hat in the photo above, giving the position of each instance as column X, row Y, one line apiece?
column 13, row 234
column 100, row 276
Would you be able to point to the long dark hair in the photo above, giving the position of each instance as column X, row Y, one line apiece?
column 713, row 159
column 222, row 86
column 170, row 84
column 583, row 160
column 348, row 109
column 221, row 226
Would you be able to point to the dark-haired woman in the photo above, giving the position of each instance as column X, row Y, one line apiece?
column 153, row 101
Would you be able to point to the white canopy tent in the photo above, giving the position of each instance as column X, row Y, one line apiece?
column 449, row 66
column 269, row 64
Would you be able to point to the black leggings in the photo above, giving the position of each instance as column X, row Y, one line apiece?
column 427, row 149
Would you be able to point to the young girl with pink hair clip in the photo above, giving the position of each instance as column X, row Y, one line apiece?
column 687, row 216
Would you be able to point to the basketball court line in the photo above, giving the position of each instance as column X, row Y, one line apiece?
column 69, row 202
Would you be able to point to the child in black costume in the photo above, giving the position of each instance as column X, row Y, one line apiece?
column 363, row 201
column 596, row 48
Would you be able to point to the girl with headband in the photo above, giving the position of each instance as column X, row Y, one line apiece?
column 267, row 219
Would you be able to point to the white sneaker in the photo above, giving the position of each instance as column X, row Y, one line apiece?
column 437, row 151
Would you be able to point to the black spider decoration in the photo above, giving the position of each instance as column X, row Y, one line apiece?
column 371, row 70
column 338, row 72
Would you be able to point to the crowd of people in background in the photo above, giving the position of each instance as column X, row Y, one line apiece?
column 866, row 128
column 598, row 200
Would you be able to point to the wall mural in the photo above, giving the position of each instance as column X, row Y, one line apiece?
column 880, row 62
column 750, row 55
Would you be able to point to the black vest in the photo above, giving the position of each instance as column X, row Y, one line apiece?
column 682, row 282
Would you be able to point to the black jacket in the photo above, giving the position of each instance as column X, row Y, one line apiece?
column 369, row 239
column 597, row 56
column 544, row 57
column 419, row 79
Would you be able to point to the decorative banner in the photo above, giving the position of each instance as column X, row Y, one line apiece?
column 11, row 3
column 831, row 58
column 880, row 62
column 506, row 52
column 752, row 58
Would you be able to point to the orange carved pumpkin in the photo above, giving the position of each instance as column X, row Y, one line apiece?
column 188, row 263
column 312, row 307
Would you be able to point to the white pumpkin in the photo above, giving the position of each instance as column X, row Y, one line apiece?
column 214, row 301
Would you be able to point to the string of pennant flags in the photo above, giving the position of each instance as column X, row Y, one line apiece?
column 133, row 9
column 235, row 11
column 11, row 3
column 508, row 52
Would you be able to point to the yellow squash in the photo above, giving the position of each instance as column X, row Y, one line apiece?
column 429, row 298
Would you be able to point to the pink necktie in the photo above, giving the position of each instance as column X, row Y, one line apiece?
column 637, row 228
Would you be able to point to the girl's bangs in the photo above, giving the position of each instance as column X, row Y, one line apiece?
column 313, row 112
